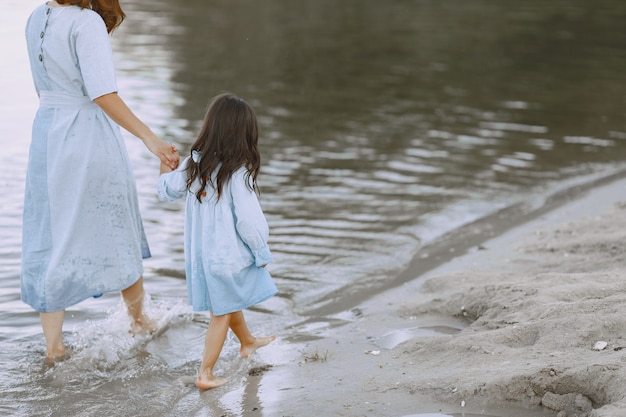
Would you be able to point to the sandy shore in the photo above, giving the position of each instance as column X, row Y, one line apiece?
column 506, row 330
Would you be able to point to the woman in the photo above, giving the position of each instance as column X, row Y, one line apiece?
column 82, row 232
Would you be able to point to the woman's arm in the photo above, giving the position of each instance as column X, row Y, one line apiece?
column 116, row 109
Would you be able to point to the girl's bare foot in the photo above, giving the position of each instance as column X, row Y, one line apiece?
column 249, row 349
column 204, row 383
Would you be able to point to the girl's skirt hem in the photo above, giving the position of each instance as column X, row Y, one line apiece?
column 227, row 310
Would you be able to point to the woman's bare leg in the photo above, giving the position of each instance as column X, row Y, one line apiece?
column 133, row 297
column 213, row 343
column 52, row 324
column 249, row 343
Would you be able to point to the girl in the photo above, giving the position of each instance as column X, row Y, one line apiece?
column 226, row 233
column 82, row 231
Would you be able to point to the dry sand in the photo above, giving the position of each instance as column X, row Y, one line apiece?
column 531, row 304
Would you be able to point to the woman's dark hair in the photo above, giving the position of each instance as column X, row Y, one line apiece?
column 109, row 10
column 229, row 137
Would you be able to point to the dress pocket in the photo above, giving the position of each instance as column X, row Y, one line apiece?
column 227, row 256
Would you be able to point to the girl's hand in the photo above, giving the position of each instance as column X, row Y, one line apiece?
column 164, row 169
column 166, row 152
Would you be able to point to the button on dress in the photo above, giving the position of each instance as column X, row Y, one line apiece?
column 226, row 243
column 82, row 231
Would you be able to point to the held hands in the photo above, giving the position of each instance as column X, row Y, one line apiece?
column 164, row 169
column 167, row 153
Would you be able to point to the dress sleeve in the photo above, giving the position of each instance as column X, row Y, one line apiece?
column 95, row 56
column 173, row 185
column 250, row 221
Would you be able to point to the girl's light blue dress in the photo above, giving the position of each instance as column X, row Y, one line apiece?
column 226, row 243
column 82, row 232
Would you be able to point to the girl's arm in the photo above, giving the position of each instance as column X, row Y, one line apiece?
column 173, row 184
column 250, row 221
column 116, row 109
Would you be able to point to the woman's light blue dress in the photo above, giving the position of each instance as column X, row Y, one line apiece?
column 226, row 243
column 82, row 232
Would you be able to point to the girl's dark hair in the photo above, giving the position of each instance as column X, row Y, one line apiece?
column 229, row 137
column 109, row 10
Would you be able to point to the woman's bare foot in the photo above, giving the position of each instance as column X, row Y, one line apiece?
column 205, row 383
column 143, row 325
column 54, row 356
column 134, row 298
column 52, row 325
column 249, row 349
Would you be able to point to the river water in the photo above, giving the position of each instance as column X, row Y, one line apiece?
column 384, row 126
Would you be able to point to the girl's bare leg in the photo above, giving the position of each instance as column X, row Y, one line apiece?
column 133, row 297
column 249, row 343
column 213, row 343
column 52, row 324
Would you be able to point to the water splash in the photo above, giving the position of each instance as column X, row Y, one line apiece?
column 106, row 348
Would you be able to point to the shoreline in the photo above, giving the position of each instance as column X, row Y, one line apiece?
column 460, row 242
column 506, row 330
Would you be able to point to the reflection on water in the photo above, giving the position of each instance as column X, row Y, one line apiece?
column 392, row 339
column 386, row 124
column 383, row 126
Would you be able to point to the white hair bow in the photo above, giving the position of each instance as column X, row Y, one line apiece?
column 196, row 155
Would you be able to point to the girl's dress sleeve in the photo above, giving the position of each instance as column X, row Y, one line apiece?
column 173, row 185
column 95, row 57
column 250, row 221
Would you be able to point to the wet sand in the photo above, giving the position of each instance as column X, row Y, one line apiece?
column 507, row 329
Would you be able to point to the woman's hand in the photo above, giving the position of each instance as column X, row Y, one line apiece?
column 166, row 152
